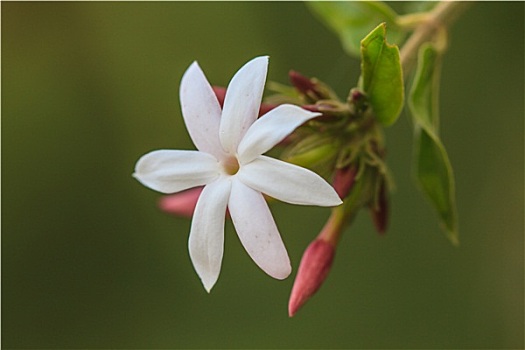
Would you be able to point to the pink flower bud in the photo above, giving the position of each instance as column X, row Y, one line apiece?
column 314, row 267
column 182, row 203
column 303, row 84
column 344, row 180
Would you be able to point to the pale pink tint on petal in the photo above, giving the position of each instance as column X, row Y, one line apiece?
column 271, row 129
column 206, row 242
column 201, row 111
column 182, row 203
column 257, row 230
column 242, row 102
column 170, row 171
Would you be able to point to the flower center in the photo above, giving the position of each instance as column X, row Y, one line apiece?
column 231, row 165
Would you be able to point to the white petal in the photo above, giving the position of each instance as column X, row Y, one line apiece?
column 170, row 171
column 201, row 111
column 257, row 231
column 242, row 102
column 287, row 182
column 206, row 242
column 270, row 129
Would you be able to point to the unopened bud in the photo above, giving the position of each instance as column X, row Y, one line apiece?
column 312, row 88
column 303, row 84
column 310, row 156
column 379, row 211
column 357, row 101
column 356, row 95
column 313, row 269
column 182, row 203
column 344, row 179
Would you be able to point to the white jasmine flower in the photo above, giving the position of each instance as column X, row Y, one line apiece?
column 229, row 162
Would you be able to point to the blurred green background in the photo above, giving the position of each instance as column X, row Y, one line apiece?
column 88, row 261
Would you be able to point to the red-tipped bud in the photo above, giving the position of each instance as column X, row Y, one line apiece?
column 220, row 92
column 314, row 267
column 357, row 101
column 344, row 180
column 303, row 84
column 356, row 95
column 312, row 88
column 379, row 212
column 182, row 203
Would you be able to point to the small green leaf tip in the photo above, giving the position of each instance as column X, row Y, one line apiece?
column 382, row 75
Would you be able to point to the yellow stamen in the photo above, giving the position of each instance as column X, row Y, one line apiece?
column 231, row 165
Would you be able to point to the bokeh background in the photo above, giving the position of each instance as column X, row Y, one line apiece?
column 88, row 261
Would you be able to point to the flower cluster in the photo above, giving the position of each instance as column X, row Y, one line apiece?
column 229, row 175
column 230, row 164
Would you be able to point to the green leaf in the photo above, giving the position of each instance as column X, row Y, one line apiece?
column 423, row 100
column 434, row 173
column 433, row 168
column 382, row 76
column 353, row 20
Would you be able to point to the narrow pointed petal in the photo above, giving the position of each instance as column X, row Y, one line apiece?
column 257, row 231
column 201, row 111
column 271, row 129
column 288, row 183
column 242, row 102
column 206, row 242
column 170, row 171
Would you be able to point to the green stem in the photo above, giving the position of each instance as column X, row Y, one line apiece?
column 441, row 17
column 333, row 228
column 412, row 20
